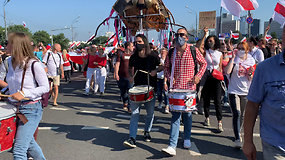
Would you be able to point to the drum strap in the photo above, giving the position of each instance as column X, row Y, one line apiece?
column 20, row 115
column 172, row 69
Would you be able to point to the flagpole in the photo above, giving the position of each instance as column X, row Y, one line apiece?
column 221, row 12
column 249, row 29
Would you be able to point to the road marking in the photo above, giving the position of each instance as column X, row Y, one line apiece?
column 123, row 116
column 162, row 121
column 152, row 129
column 48, row 128
column 194, row 151
column 94, row 128
column 59, row 109
column 92, row 112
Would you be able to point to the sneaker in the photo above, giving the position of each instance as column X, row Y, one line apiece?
column 238, row 144
column 220, row 127
column 166, row 110
column 169, row 150
column 226, row 104
column 195, row 112
column 101, row 94
column 125, row 107
column 187, row 144
column 207, row 122
column 146, row 136
column 131, row 142
column 159, row 105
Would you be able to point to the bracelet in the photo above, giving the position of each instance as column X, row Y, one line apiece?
column 22, row 93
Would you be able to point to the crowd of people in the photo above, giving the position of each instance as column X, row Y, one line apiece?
column 230, row 74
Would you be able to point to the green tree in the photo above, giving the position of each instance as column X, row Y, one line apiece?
column 19, row 28
column 2, row 36
column 273, row 34
column 99, row 40
column 62, row 40
column 41, row 36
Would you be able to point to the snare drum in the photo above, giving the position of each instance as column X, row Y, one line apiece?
column 181, row 100
column 7, row 126
column 138, row 94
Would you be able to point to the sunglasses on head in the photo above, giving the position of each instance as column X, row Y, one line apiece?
column 180, row 34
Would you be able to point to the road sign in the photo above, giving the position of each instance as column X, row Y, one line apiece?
column 249, row 20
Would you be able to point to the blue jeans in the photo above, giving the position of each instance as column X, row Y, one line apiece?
column 175, row 125
column 24, row 141
column 160, row 91
column 124, row 85
column 135, row 107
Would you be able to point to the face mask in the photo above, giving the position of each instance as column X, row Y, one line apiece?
column 211, row 45
column 180, row 41
column 139, row 47
column 240, row 53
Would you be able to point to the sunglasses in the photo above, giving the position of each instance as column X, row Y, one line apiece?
column 180, row 34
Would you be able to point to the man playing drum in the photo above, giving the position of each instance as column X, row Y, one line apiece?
column 183, row 79
column 143, row 68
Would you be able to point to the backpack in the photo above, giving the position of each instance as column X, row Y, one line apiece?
column 193, row 52
column 45, row 96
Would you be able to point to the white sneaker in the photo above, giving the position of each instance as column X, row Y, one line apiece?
column 159, row 105
column 169, row 150
column 220, row 127
column 226, row 104
column 195, row 112
column 207, row 122
column 187, row 144
column 166, row 110
column 238, row 144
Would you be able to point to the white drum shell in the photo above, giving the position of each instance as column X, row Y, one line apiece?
column 7, row 110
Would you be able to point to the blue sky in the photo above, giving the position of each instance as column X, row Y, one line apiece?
column 56, row 14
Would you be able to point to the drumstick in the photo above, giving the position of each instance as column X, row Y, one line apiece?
column 7, row 96
column 144, row 71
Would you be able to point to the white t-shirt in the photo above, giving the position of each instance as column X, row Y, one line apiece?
column 216, row 58
column 257, row 54
column 160, row 75
column 54, row 62
column 238, row 82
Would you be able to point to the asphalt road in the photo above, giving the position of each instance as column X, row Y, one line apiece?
column 94, row 127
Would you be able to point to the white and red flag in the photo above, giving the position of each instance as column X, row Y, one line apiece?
column 77, row 44
column 244, row 39
column 236, row 6
column 72, row 45
column 110, row 40
column 24, row 24
column 279, row 13
column 268, row 37
column 234, row 35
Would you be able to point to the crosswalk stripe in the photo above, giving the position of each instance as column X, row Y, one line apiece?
column 59, row 109
column 93, row 112
column 162, row 121
column 48, row 128
column 194, row 151
column 123, row 116
column 152, row 129
column 94, row 128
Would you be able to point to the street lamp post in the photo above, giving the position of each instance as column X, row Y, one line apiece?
column 73, row 22
column 5, row 22
column 191, row 11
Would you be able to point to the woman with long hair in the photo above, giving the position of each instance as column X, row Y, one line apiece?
column 239, row 71
column 212, row 86
column 26, row 98
column 66, row 65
